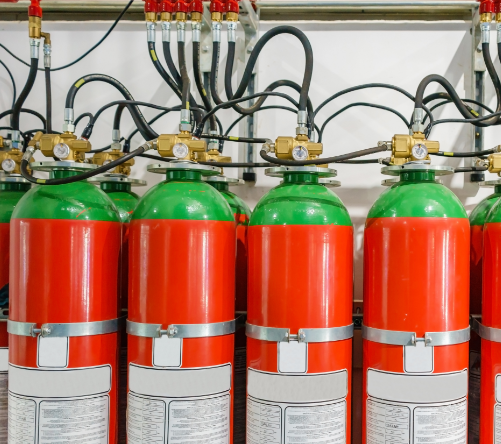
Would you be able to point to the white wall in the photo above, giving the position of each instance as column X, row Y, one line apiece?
column 346, row 54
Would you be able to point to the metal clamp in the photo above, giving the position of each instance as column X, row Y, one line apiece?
column 4, row 314
column 487, row 333
column 405, row 338
column 181, row 330
column 273, row 334
column 64, row 330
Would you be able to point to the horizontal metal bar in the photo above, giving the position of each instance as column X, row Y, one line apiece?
column 359, row 5
column 181, row 330
column 273, row 334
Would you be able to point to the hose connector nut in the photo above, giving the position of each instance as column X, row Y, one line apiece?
column 485, row 28
column 166, row 31
column 196, row 29
column 151, row 28
column 232, row 32
column 216, row 32
column 181, row 31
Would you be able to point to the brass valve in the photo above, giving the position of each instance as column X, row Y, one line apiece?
column 35, row 27
column 10, row 161
column 182, row 146
column 212, row 156
column 196, row 17
column 63, row 146
column 494, row 163
column 110, row 156
column 406, row 148
column 297, row 148
column 1, row 142
column 231, row 16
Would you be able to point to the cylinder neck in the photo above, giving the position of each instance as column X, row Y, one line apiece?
column 14, row 186
column 300, row 177
column 497, row 189
column 184, row 175
column 111, row 187
column 220, row 186
column 417, row 176
column 63, row 174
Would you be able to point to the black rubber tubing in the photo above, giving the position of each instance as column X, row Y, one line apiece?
column 16, row 111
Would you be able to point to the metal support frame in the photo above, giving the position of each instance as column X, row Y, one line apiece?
column 477, row 86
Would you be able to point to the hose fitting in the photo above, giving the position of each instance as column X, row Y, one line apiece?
column 302, row 122
column 34, row 48
column 216, row 32
column 47, row 50
column 232, row 32
column 151, row 28
column 485, row 28
column 196, row 28
column 69, row 118
column 418, row 126
column 166, row 31
column 185, row 124
column 181, row 31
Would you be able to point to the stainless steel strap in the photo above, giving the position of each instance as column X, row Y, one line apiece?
column 64, row 330
column 273, row 334
column 488, row 333
column 405, row 338
column 181, row 330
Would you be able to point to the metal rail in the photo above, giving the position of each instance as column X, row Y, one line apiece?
column 269, row 10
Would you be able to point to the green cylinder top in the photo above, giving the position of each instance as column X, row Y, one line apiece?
column 417, row 195
column 300, row 200
column 183, row 196
column 237, row 205
column 479, row 214
column 74, row 201
column 10, row 194
column 123, row 198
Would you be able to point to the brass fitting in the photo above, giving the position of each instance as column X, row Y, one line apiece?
column 110, row 156
column 46, row 37
column 405, row 148
column 68, row 142
column 196, row 17
column 1, row 142
column 212, row 156
column 165, row 16
column 498, row 17
column 216, row 16
column 297, row 148
column 181, row 17
column 35, row 27
column 486, row 17
column 150, row 17
column 13, row 158
column 182, row 146
column 494, row 161
column 231, row 17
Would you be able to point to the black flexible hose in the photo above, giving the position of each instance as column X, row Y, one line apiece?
column 233, row 139
column 170, row 63
column 325, row 160
column 48, row 100
column 465, row 101
column 160, row 69
column 469, row 169
column 79, row 177
column 370, row 105
column 185, row 78
column 81, row 116
column 200, row 84
column 308, row 72
column 16, row 111
column 117, row 118
column 214, row 71
column 465, row 154
column 14, row 93
column 139, row 120
column 27, row 111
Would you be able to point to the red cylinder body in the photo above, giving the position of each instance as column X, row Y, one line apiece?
column 300, row 243
column 490, row 395
column 182, row 268
column 416, row 274
column 64, row 269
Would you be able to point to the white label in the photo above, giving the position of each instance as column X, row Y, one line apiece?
column 183, row 421
column 387, row 423
column 315, row 423
column 196, row 421
column 239, row 395
column 292, row 357
column 442, row 424
column 4, row 414
column 75, row 420
column 22, row 420
column 53, row 352
column 432, row 423
column 167, row 352
column 497, row 424
column 418, row 358
column 4, row 359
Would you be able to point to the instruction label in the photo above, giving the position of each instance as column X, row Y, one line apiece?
column 474, row 399
column 22, row 420
column 74, row 420
column 4, row 414
column 202, row 420
column 444, row 423
column 497, row 424
column 239, row 395
column 315, row 423
column 386, row 422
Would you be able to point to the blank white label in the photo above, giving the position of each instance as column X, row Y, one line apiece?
column 292, row 357
column 4, row 359
column 418, row 358
column 167, row 351
column 53, row 352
